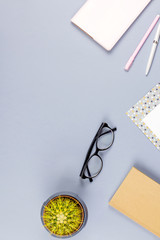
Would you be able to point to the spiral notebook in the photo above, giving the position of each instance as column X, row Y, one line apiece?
column 107, row 20
column 146, row 115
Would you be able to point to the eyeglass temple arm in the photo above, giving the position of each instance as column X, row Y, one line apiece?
column 88, row 155
column 113, row 130
column 90, row 179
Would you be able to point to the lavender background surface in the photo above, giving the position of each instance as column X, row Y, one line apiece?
column 56, row 86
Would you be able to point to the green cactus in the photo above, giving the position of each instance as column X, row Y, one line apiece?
column 63, row 215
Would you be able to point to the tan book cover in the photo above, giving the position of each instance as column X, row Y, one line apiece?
column 138, row 198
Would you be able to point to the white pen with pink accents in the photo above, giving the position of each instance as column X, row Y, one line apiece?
column 131, row 59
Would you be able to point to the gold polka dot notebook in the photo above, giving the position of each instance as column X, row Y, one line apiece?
column 146, row 115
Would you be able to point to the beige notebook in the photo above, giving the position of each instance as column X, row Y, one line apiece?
column 107, row 20
column 138, row 197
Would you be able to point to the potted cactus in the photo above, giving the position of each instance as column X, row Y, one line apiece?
column 64, row 215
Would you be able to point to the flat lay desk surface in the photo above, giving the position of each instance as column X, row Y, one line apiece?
column 57, row 86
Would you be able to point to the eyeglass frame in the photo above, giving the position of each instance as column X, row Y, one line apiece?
column 89, row 156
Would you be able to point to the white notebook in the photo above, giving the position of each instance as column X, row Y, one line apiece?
column 107, row 20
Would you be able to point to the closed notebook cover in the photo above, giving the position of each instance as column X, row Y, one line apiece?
column 107, row 20
column 138, row 197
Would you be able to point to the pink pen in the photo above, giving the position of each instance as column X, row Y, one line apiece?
column 131, row 60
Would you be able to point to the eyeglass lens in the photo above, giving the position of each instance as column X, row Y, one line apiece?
column 94, row 166
column 105, row 139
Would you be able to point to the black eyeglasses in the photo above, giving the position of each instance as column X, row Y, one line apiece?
column 93, row 163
